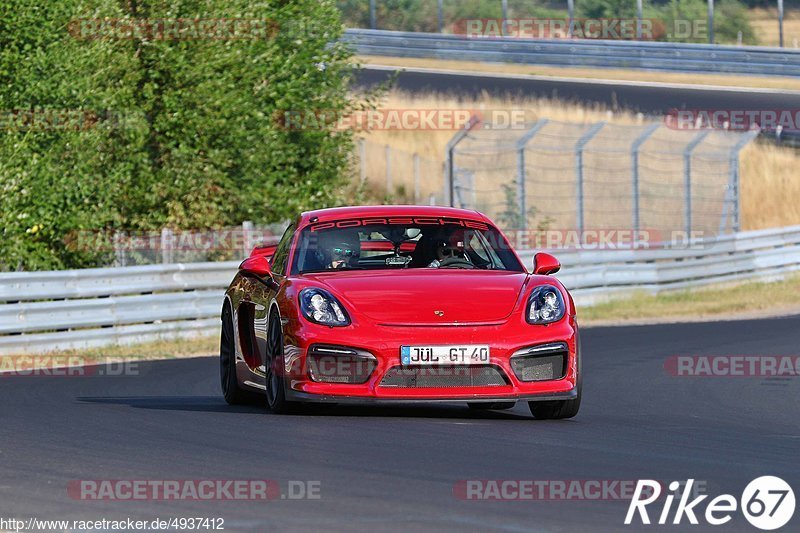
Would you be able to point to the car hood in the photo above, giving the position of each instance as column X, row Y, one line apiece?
column 426, row 296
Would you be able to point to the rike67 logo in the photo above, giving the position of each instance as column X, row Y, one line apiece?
column 767, row 503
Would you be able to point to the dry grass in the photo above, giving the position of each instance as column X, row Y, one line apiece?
column 765, row 24
column 162, row 349
column 727, row 302
column 770, row 188
column 730, row 80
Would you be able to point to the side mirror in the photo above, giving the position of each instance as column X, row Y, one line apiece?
column 545, row 264
column 257, row 265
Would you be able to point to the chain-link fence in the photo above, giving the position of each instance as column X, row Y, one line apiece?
column 398, row 176
column 599, row 177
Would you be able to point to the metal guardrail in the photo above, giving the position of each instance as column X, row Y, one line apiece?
column 678, row 57
column 42, row 311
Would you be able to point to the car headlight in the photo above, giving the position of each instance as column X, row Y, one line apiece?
column 545, row 305
column 321, row 307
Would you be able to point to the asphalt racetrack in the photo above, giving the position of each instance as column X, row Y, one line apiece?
column 655, row 99
column 395, row 468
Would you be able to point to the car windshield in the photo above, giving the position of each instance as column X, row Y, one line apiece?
column 402, row 243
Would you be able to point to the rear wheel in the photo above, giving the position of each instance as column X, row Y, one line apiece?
column 231, row 391
column 276, row 386
column 491, row 406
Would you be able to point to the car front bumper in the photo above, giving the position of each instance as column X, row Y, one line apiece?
column 383, row 344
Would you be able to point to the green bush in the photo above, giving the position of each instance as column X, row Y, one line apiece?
column 187, row 135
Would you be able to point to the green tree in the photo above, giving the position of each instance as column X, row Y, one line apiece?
column 188, row 135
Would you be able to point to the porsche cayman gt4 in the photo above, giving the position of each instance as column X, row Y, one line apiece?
column 399, row 303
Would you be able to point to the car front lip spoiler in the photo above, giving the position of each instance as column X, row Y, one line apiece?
column 321, row 398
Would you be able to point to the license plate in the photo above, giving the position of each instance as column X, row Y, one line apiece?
column 470, row 354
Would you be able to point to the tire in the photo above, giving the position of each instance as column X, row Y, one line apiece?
column 275, row 384
column 559, row 409
column 491, row 406
column 231, row 390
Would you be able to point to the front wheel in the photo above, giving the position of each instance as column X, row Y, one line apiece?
column 275, row 384
column 559, row 409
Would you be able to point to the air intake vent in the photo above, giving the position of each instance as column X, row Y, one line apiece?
column 444, row 376
column 541, row 363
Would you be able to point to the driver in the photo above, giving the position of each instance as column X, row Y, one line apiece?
column 344, row 251
column 448, row 251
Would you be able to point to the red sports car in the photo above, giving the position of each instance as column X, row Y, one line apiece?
column 399, row 303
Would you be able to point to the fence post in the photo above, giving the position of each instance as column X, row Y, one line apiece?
column 687, row 178
column 247, row 232
column 522, row 199
column 373, row 23
column 388, row 170
column 362, row 156
column 119, row 250
column 780, row 22
column 733, row 192
column 416, row 177
column 504, row 26
column 579, row 146
column 638, row 20
column 440, row 15
column 637, row 144
column 571, row 12
column 710, row 21
column 166, row 245
column 450, row 173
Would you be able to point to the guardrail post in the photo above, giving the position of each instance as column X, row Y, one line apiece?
column 687, row 178
column 579, row 146
column 450, row 173
column 637, row 144
column 521, row 192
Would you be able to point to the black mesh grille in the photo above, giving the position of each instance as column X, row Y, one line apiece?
column 540, row 368
column 444, row 376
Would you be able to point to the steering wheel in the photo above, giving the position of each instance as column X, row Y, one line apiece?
column 459, row 262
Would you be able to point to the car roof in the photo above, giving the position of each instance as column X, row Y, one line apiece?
column 337, row 213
